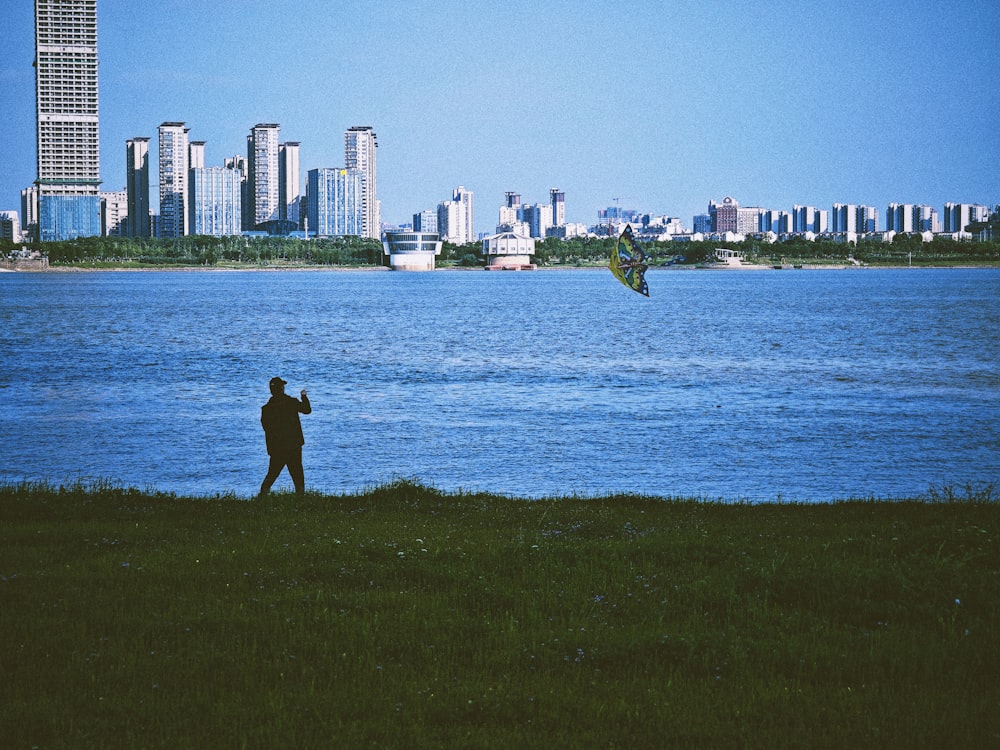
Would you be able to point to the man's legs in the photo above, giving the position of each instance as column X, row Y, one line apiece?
column 274, row 468
column 295, row 471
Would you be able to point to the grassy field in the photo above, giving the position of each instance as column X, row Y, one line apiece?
column 408, row 618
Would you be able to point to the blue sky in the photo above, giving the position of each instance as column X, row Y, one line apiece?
column 661, row 105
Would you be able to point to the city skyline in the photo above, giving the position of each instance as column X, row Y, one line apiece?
column 661, row 109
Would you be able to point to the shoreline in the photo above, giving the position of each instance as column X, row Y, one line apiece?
column 379, row 269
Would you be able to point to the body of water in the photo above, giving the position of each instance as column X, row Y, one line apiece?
column 758, row 385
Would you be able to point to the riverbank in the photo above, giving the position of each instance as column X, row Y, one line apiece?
column 406, row 617
column 85, row 268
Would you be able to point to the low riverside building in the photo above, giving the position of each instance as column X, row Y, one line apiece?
column 412, row 251
column 509, row 251
column 24, row 260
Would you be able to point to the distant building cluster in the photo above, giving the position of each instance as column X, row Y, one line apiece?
column 259, row 192
column 845, row 223
column 537, row 220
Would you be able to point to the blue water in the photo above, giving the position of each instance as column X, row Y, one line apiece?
column 756, row 385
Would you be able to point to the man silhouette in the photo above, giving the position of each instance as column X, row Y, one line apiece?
column 283, row 435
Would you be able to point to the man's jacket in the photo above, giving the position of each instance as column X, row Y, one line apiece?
column 280, row 419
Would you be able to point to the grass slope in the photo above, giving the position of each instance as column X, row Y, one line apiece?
column 405, row 617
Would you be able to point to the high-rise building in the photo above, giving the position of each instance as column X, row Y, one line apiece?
column 137, row 186
column 769, row 220
column 926, row 219
column 702, row 223
column 196, row 154
column 809, row 219
column 465, row 198
column 263, row 182
column 239, row 163
column 558, row 200
column 114, row 213
column 69, row 164
column 425, row 221
column 867, row 219
column 854, row 219
column 455, row 217
column 958, row 216
column 174, row 153
column 215, row 202
column 899, row 217
column 724, row 215
column 449, row 221
column 910, row 218
column 511, row 215
column 748, row 219
column 844, row 218
column 288, row 185
column 10, row 226
column 538, row 217
column 360, row 145
column 334, row 200
column 29, row 212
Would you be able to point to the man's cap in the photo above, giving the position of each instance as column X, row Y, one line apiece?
column 277, row 381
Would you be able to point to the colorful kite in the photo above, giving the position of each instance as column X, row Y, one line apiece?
column 627, row 263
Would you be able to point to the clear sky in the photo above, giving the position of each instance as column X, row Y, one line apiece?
column 661, row 105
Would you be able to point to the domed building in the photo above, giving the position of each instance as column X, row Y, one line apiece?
column 509, row 251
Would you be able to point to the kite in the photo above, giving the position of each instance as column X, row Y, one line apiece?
column 628, row 263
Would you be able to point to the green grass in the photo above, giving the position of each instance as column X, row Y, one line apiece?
column 409, row 618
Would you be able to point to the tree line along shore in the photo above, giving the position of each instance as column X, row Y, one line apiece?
column 203, row 251
column 407, row 617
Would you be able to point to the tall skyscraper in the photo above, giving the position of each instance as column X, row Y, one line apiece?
column 174, row 153
column 288, row 185
column 137, row 186
column 262, row 176
column 558, row 200
column 69, row 165
column 360, row 144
